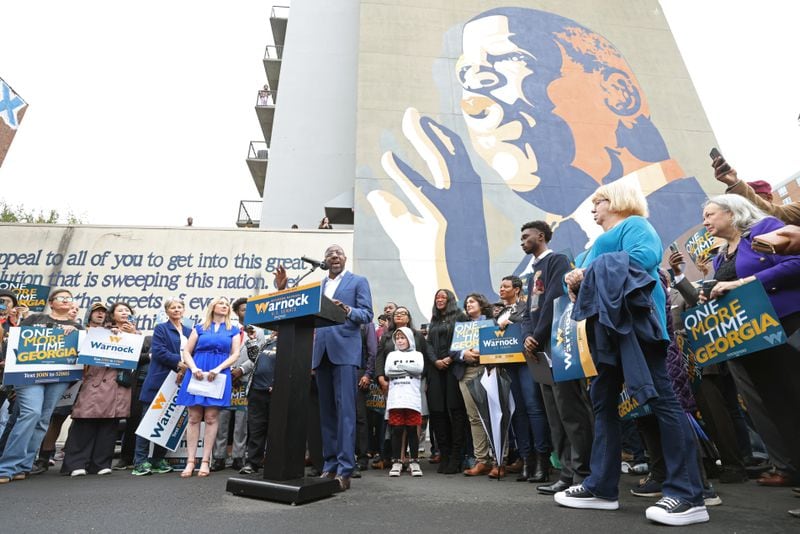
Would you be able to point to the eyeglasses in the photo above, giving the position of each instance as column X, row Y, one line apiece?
column 64, row 299
column 401, row 313
column 599, row 200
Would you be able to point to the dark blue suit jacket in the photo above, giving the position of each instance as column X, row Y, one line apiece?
column 343, row 342
column 165, row 355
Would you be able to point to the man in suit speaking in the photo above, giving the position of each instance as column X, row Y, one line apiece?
column 336, row 358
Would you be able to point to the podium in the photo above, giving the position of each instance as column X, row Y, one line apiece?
column 294, row 313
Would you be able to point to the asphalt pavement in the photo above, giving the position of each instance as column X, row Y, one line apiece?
column 434, row 503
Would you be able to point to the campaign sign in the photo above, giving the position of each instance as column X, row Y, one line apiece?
column 177, row 458
column 239, row 396
column 287, row 304
column 740, row 322
column 165, row 421
column 30, row 295
column 629, row 408
column 40, row 355
column 701, row 245
column 568, row 344
column 104, row 348
column 466, row 335
column 501, row 345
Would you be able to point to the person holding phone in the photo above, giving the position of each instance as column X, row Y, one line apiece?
column 104, row 399
column 723, row 172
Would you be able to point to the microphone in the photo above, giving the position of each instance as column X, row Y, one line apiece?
column 315, row 264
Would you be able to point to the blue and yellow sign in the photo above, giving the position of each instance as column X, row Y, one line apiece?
column 287, row 304
column 701, row 245
column 466, row 334
column 570, row 348
column 40, row 355
column 498, row 346
column 741, row 322
column 30, row 295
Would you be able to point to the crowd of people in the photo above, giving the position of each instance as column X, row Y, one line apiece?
column 380, row 389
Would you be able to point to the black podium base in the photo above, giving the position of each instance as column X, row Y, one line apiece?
column 295, row 491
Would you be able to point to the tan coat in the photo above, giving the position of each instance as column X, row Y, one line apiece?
column 100, row 396
column 788, row 213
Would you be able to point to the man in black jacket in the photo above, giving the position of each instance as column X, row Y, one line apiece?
column 566, row 403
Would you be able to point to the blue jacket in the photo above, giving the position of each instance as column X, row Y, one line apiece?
column 615, row 296
column 343, row 342
column 165, row 356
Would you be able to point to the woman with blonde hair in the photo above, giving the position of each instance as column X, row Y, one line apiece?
column 212, row 348
column 616, row 288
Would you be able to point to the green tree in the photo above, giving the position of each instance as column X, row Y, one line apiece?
column 9, row 213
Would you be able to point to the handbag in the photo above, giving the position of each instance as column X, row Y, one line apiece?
column 771, row 243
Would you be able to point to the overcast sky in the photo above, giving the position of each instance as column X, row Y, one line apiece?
column 142, row 112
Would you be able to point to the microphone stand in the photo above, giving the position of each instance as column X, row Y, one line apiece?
column 313, row 268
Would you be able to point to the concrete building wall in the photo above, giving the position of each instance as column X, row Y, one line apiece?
column 312, row 157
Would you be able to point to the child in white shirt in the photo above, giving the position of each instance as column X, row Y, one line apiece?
column 403, row 368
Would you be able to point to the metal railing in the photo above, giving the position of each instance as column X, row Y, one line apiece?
column 249, row 213
column 258, row 150
column 279, row 12
column 266, row 98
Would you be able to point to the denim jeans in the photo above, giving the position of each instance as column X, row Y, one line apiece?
column 529, row 418
column 677, row 441
column 36, row 403
column 143, row 446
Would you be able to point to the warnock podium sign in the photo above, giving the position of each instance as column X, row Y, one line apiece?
column 294, row 313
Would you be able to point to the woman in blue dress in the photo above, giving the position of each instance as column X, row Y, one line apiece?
column 212, row 348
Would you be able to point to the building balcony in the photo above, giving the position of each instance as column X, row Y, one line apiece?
column 265, row 111
column 248, row 209
column 278, row 20
column 257, row 160
column 272, row 65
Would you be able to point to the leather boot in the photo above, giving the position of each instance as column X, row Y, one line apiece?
column 443, row 462
column 527, row 466
column 453, row 465
column 541, row 468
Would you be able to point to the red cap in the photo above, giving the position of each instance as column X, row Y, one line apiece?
column 761, row 187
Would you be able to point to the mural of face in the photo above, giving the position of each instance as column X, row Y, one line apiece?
column 555, row 110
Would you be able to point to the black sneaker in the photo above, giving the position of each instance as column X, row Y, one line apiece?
column 248, row 469
column 122, row 465
column 675, row 512
column 218, row 464
column 237, row 464
column 580, row 497
column 648, row 487
column 356, row 472
column 39, row 467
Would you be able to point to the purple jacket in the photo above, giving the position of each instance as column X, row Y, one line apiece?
column 778, row 274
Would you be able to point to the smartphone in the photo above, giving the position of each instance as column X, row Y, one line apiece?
column 673, row 247
column 715, row 153
column 132, row 319
column 424, row 326
column 708, row 285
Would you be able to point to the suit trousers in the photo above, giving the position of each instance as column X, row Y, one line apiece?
column 239, row 434
column 337, row 386
column 480, row 440
column 257, row 425
column 569, row 413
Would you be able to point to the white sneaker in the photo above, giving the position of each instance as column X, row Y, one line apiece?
column 106, row 471
column 416, row 470
column 672, row 511
column 396, row 469
column 78, row 473
column 580, row 497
